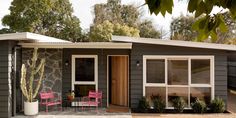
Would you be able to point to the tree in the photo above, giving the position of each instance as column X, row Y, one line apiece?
column 147, row 30
column 48, row 17
column 5, row 30
column 115, row 12
column 124, row 15
column 206, row 24
column 181, row 28
column 104, row 31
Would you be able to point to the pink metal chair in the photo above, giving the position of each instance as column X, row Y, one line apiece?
column 94, row 98
column 49, row 99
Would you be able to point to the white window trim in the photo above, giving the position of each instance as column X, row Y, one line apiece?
column 182, row 57
column 95, row 82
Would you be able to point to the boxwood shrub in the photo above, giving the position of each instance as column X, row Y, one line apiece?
column 217, row 105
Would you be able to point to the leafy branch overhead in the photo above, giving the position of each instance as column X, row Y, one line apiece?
column 206, row 24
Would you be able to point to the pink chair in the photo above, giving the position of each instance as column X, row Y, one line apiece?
column 94, row 98
column 49, row 99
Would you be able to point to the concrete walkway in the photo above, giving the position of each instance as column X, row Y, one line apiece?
column 231, row 102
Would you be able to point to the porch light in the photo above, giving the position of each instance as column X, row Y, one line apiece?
column 137, row 63
column 66, row 62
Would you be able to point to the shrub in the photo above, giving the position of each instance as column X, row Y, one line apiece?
column 153, row 97
column 143, row 104
column 199, row 106
column 217, row 106
column 159, row 105
column 178, row 104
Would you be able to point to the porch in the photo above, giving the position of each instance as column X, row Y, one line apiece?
column 71, row 113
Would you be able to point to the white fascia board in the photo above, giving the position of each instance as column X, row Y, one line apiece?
column 174, row 43
column 14, row 36
column 31, row 37
column 88, row 45
column 43, row 38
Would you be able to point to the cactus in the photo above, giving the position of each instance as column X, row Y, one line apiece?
column 27, row 84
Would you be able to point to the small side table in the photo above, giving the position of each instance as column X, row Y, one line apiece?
column 76, row 100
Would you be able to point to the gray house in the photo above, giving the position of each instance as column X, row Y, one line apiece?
column 124, row 70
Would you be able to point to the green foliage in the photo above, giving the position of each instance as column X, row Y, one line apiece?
column 125, row 16
column 143, row 104
column 160, row 6
column 181, row 28
column 217, row 105
column 206, row 25
column 115, row 12
column 5, row 31
column 178, row 104
column 103, row 32
column 147, row 30
column 199, row 106
column 48, row 17
column 159, row 104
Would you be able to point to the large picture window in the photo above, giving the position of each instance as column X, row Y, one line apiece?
column 189, row 77
column 84, row 74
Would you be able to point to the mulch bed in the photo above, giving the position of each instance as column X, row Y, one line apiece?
column 170, row 111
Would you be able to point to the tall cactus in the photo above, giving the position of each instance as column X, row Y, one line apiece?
column 27, row 85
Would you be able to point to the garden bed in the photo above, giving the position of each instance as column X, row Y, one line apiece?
column 172, row 111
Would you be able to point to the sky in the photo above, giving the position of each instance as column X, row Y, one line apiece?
column 83, row 9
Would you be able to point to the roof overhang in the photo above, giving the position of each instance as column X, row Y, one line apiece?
column 29, row 37
column 174, row 43
column 87, row 45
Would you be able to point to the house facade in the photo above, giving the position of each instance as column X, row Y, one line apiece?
column 124, row 70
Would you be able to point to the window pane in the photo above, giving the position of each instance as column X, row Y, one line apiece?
column 155, row 92
column 202, row 93
column 82, row 90
column 156, row 71
column 177, row 72
column 200, row 71
column 174, row 92
column 84, row 69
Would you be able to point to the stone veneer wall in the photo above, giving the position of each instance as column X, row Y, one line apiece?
column 53, row 68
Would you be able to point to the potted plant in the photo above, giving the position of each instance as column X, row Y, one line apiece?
column 28, row 85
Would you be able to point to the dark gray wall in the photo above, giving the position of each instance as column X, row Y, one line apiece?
column 139, row 50
column 102, row 67
column 5, row 78
column 232, row 70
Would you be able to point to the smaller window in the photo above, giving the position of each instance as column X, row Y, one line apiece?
column 83, row 90
column 177, row 72
column 174, row 92
column 155, row 71
column 152, row 92
column 202, row 93
column 200, row 71
column 84, row 69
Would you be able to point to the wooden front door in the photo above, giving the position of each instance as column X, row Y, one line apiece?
column 119, row 80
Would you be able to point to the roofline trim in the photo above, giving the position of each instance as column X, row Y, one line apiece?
column 87, row 45
column 174, row 43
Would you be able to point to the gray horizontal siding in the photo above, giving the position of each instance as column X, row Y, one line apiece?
column 139, row 50
column 102, row 67
column 5, row 75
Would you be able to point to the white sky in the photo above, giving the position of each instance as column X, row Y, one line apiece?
column 83, row 9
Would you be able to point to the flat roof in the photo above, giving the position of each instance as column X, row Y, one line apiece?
column 88, row 45
column 31, row 40
column 31, row 37
column 174, row 43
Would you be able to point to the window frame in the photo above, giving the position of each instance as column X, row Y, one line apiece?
column 189, row 85
column 95, row 82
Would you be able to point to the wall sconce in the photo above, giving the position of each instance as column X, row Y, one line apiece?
column 137, row 63
column 66, row 63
